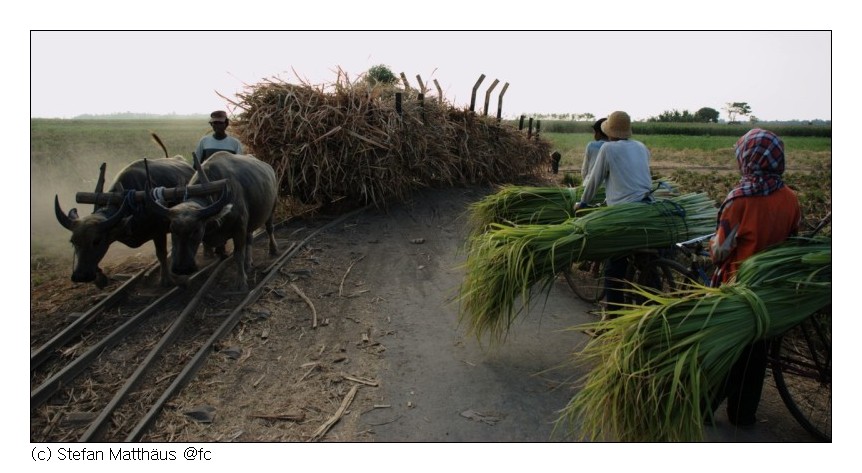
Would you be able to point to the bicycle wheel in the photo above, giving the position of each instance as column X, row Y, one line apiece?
column 801, row 362
column 660, row 275
column 673, row 275
column 587, row 280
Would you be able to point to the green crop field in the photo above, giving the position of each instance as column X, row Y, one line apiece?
column 802, row 152
column 65, row 156
column 63, row 144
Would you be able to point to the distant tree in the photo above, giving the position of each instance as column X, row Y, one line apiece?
column 674, row 116
column 380, row 74
column 707, row 115
column 753, row 119
column 736, row 108
column 588, row 117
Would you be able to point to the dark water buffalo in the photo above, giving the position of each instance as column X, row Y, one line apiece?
column 129, row 223
column 247, row 205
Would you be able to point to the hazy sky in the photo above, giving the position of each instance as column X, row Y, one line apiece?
column 781, row 75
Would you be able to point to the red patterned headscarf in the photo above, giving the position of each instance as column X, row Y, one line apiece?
column 760, row 156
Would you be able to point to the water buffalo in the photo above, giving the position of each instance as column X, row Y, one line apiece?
column 130, row 224
column 247, row 204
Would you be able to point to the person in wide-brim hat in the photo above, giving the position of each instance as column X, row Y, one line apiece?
column 622, row 167
column 618, row 125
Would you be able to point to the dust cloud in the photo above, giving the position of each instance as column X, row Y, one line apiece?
column 64, row 176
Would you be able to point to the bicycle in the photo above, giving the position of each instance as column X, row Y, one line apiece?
column 801, row 364
column 800, row 360
column 648, row 268
column 658, row 269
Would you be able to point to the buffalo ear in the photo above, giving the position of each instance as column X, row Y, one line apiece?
column 73, row 214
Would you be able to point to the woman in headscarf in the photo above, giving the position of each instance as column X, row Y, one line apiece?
column 759, row 212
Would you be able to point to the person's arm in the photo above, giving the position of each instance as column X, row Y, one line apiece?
column 586, row 166
column 724, row 242
column 594, row 180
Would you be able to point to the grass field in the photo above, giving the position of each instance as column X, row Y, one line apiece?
column 802, row 152
column 65, row 156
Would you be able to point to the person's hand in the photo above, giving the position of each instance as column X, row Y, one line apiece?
column 720, row 249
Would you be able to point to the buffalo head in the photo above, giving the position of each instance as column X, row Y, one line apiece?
column 91, row 237
column 188, row 222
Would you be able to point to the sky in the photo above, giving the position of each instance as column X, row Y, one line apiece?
column 782, row 75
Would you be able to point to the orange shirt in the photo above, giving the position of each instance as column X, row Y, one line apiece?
column 759, row 221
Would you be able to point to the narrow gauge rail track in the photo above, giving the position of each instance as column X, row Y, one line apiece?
column 136, row 348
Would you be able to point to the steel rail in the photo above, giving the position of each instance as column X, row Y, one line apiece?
column 97, row 427
column 193, row 366
column 49, row 387
column 43, row 353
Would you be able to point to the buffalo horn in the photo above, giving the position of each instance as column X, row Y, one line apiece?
column 64, row 219
column 100, row 184
column 115, row 217
column 197, row 165
column 147, row 172
column 215, row 208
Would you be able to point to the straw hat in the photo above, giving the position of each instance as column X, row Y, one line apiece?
column 618, row 125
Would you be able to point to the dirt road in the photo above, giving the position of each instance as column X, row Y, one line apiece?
column 387, row 339
column 443, row 386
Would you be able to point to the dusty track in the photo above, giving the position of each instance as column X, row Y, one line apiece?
column 381, row 286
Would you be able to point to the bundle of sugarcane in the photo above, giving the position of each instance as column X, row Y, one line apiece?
column 536, row 205
column 506, row 262
column 362, row 143
column 655, row 367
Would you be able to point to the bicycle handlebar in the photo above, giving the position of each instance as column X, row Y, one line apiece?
column 695, row 241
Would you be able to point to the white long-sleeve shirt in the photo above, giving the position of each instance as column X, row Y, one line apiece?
column 623, row 166
column 590, row 153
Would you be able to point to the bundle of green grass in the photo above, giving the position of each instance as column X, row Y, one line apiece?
column 654, row 367
column 538, row 205
column 506, row 264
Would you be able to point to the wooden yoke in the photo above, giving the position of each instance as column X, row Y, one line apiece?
column 171, row 194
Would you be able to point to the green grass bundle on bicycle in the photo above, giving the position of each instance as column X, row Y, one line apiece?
column 681, row 357
column 656, row 367
column 505, row 262
column 539, row 205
